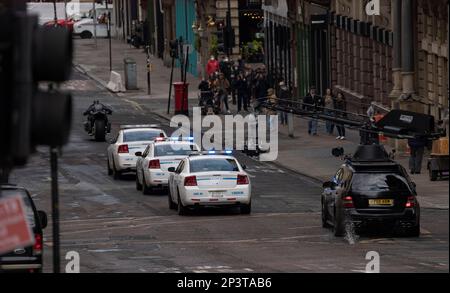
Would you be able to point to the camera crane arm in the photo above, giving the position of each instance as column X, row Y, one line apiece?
column 397, row 124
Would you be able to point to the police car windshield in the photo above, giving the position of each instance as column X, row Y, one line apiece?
column 214, row 165
column 174, row 150
column 141, row 135
column 8, row 193
column 364, row 182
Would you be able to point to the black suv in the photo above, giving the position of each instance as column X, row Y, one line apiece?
column 25, row 259
column 371, row 188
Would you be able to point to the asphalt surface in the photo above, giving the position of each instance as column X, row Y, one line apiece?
column 115, row 228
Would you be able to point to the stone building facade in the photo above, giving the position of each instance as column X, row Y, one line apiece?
column 361, row 53
column 402, row 52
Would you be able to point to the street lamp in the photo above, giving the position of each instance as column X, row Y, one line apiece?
column 228, row 30
column 109, row 35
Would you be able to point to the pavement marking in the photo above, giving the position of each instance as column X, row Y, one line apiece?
column 106, row 250
column 135, row 105
column 307, row 227
column 290, row 239
column 180, row 221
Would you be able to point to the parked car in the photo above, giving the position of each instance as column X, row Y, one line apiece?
column 85, row 27
column 61, row 23
column 25, row 259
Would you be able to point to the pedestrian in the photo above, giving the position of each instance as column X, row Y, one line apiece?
column 261, row 87
column 222, row 86
column 248, row 76
column 417, row 148
column 242, row 92
column 212, row 66
column 284, row 97
column 234, row 76
column 329, row 110
column 371, row 111
column 340, row 106
column 312, row 103
column 272, row 100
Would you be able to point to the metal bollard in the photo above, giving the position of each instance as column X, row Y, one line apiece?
column 291, row 124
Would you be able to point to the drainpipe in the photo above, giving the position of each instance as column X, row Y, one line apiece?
column 397, row 49
column 407, row 47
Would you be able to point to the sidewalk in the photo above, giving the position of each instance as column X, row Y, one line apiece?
column 307, row 155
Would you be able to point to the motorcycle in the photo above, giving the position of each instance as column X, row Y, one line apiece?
column 98, row 125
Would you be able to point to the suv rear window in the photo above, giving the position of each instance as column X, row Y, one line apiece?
column 141, row 135
column 365, row 182
column 6, row 193
column 213, row 165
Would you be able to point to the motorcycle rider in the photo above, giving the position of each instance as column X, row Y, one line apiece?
column 95, row 106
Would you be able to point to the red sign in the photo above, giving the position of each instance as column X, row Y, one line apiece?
column 15, row 231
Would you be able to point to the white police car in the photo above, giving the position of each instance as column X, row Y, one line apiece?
column 209, row 179
column 130, row 140
column 152, row 165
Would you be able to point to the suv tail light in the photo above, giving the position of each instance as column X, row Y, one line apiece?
column 242, row 180
column 411, row 202
column 347, row 201
column 190, row 181
column 123, row 149
column 37, row 247
column 154, row 164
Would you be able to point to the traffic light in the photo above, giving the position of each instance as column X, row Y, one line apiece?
column 29, row 115
column 174, row 50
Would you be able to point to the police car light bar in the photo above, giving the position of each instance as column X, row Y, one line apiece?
column 181, row 138
column 228, row 152
column 139, row 126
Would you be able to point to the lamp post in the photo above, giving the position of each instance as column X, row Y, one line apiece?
column 109, row 34
column 228, row 29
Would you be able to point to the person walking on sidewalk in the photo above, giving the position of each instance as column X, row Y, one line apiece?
column 341, row 106
column 417, row 147
column 329, row 110
column 284, row 96
column 242, row 92
column 273, row 101
column 261, row 88
column 212, row 66
column 312, row 103
column 222, row 86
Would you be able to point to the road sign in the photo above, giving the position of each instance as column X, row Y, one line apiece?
column 14, row 227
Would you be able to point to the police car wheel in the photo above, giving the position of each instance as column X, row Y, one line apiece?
column 172, row 205
column 146, row 190
column 110, row 171
column 246, row 209
column 181, row 208
column 116, row 174
column 138, row 184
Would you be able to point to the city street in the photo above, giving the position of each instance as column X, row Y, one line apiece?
column 115, row 228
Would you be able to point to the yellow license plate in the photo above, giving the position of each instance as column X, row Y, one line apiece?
column 381, row 202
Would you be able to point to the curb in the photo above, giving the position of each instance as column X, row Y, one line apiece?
column 80, row 68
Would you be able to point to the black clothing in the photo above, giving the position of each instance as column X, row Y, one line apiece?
column 313, row 103
column 97, row 107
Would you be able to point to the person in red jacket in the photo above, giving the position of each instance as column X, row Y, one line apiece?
column 212, row 66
